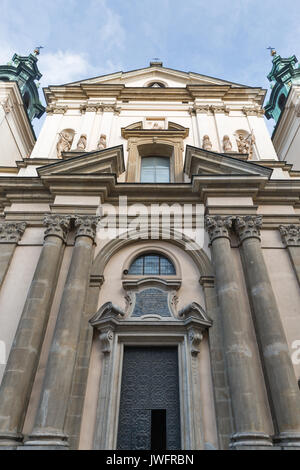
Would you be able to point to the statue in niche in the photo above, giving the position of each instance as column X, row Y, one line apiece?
column 245, row 144
column 81, row 144
column 206, row 143
column 64, row 142
column 227, row 145
column 102, row 142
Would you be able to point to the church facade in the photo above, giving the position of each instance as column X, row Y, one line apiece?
column 150, row 267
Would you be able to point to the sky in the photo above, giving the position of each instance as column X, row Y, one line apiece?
column 227, row 39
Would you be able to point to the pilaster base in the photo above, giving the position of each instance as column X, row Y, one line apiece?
column 288, row 440
column 46, row 441
column 10, row 440
column 251, row 441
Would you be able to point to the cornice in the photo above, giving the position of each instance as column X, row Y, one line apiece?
column 122, row 92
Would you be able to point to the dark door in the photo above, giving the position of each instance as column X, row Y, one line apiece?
column 149, row 406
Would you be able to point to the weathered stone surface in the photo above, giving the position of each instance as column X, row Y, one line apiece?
column 52, row 411
column 275, row 354
column 290, row 235
column 244, row 376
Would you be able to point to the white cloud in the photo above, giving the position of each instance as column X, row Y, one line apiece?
column 63, row 67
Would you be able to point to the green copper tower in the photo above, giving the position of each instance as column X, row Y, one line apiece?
column 284, row 73
column 24, row 71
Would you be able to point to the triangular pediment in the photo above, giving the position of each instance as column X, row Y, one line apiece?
column 142, row 77
column 110, row 160
column 203, row 162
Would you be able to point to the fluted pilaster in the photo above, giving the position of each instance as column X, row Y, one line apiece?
column 290, row 235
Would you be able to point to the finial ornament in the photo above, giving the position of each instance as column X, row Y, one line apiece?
column 272, row 51
column 290, row 234
column 217, row 226
column 37, row 50
column 248, row 226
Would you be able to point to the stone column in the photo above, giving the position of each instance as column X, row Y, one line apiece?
column 251, row 421
column 10, row 234
column 48, row 432
column 280, row 374
column 25, row 352
column 291, row 238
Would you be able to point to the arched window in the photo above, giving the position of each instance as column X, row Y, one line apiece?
column 282, row 101
column 152, row 263
column 155, row 170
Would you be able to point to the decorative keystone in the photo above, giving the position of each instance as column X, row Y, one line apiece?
column 290, row 234
column 57, row 225
column 248, row 226
column 217, row 226
column 11, row 232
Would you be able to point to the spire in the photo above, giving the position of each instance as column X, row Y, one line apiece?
column 24, row 71
column 284, row 73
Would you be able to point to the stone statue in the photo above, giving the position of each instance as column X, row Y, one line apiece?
column 245, row 144
column 227, row 145
column 242, row 143
column 102, row 142
column 206, row 143
column 81, row 144
column 64, row 142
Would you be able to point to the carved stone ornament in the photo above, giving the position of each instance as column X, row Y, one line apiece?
column 195, row 337
column 227, row 145
column 57, row 225
column 194, row 310
column 64, row 142
column 102, row 142
column 106, row 338
column 217, row 226
column 248, row 226
column 86, row 225
column 81, row 144
column 290, row 234
column 11, row 232
column 52, row 109
column 245, row 144
column 206, row 143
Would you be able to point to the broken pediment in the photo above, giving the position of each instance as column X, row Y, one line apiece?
column 110, row 160
column 203, row 162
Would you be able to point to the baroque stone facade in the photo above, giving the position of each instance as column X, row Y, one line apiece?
column 132, row 238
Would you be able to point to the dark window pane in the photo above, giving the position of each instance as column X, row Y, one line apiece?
column 137, row 266
column 166, row 267
column 151, row 265
column 155, row 170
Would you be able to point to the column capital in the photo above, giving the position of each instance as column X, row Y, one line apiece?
column 248, row 226
column 57, row 225
column 290, row 234
column 217, row 226
column 86, row 226
column 11, row 232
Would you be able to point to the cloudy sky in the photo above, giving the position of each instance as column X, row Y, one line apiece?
column 81, row 39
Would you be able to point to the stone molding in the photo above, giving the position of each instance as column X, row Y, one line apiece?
column 218, row 226
column 248, row 226
column 290, row 234
column 86, row 226
column 106, row 338
column 57, row 225
column 11, row 232
column 259, row 112
column 100, row 107
column 54, row 109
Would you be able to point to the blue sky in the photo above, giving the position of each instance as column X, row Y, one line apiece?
column 81, row 39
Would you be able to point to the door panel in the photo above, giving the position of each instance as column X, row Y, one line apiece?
column 149, row 382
